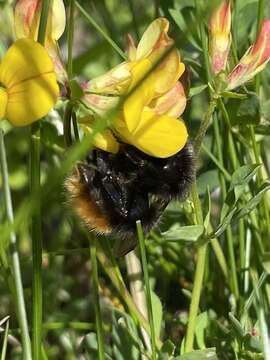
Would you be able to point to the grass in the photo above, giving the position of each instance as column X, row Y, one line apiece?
column 207, row 293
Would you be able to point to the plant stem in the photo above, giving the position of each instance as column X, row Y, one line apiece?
column 234, row 161
column 199, row 274
column 100, row 30
column 147, row 287
column 15, row 261
column 36, row 216
column 100, row 335
column 36, row 241
column 67, row 124
column 204, row 125
column 134, row 271
column 70, row 37
column 202, row 250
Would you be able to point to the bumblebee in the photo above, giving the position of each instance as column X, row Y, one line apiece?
column 110, row 192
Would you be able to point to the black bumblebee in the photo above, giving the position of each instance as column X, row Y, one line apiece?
column 110, row 192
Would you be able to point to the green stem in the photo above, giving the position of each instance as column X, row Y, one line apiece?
column 67, row 124
column 36, row 216
column 147, row 287
column 204, row 40
column 43, row 21
column 100, row 30
column 70, row 37
column 36, row 241
column 204, row 125
column 233, row 158
column 100, row 335
column 202, row 250
column 199, row 274
column 15, row 261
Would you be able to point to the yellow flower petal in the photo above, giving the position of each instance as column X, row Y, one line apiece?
column 168, row 72
column 104, row 140
column 141, row 96
column 24, row 60
column 171, row 103
column 27, row 17
column 113, row 82
column 151, row 37
column 158, row 136
column 56, row 19
column 3, row 102
column 30, row 100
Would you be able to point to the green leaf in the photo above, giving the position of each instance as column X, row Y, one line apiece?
column 241, row 177
column 167, row 349
column 125, row 338
column 237, row 326
column 183, row 233
column 76, row 92
column 225, row 223
column 208, row 179
column 157, row 312
column 207, row 209
column 206, row 354
column 201, row 325
column 233, row 95
column 196, row 90
column 266, row 262
column 262, row 129
column 246, row 111
column 253, row 202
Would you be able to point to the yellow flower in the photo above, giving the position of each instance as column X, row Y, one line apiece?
column 154, row 96
column 28, row 87
column 26, row 21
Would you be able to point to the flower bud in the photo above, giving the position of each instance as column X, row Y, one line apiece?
column 254, row 60
column 220, row 37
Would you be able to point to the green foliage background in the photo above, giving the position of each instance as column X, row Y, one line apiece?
column 235, row 300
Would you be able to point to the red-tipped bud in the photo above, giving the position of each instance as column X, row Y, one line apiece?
column 254, row 60
column 220, row 37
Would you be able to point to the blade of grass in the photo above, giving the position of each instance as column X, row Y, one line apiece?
column 4, row 346
column 15, row 261
column 36, row 216
column 70, row 37
column 261, row 316
column 99, row 327
column 100, row 30
column 147, row 288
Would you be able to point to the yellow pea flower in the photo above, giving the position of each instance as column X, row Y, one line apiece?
column 155, row 97
column 26, row 22
column 28, row 87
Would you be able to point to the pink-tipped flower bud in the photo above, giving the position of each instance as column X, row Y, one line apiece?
column 220, row 37
column 254, row 60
